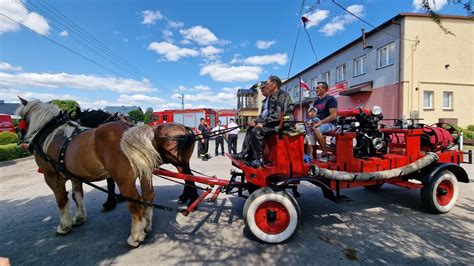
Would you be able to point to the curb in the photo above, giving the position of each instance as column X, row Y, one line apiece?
column 10, row 162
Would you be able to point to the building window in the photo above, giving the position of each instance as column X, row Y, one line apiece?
column 165, row 117
column 447, row 100
column 314, row 81
column 428, row 99
column 360, row 66
column 325, row 77
column 386, row 55
column 341, row 73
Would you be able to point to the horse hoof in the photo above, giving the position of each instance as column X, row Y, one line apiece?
column 132, row 243
column 63, row 230
column 147, row 228
column 77, row 221
column 106, row 209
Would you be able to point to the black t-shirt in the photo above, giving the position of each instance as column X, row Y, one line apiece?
column 204, row 130
column 323, row 105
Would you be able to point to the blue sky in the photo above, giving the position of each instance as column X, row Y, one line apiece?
column 152, row 51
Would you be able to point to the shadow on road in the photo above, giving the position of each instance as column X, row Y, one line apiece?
column 387, row 226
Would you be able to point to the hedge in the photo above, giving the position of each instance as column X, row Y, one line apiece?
column 12, row 151
column 8, row 138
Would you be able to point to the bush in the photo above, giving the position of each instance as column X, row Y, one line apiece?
column 469, row 134
column 470, row 127
column 12, row 151
column 8, row 138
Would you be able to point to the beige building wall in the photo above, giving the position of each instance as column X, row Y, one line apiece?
column 438, row 63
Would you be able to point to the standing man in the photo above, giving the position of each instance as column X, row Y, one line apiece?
column 203, row 143
column 232, row 137
column 327, row 113
column 219, row 137
column 277, row 104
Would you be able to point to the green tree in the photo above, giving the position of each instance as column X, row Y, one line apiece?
column 148, row 115
column 66, row 105
column 136, row 115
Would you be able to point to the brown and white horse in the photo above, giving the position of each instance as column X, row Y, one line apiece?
column 110, row 150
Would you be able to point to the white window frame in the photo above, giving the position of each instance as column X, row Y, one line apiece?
column 450, row 100
column 363, row 69
column 431, row 100
column 325, row 77
column 314, row 81
column 341, row 73
column 385, row 61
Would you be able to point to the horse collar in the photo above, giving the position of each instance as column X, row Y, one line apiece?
column 46, row 130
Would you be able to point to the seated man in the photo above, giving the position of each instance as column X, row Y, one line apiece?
column 327, row 113
column 276, row 104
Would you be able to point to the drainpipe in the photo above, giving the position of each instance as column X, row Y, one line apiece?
column 400, row 59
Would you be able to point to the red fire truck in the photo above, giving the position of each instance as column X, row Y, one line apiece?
column 224, row 115
column 187, row 117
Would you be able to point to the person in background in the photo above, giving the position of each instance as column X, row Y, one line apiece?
column 327, row 113
column 219, row 137
column 309, row 139
column 232, row 137
column 203, row 142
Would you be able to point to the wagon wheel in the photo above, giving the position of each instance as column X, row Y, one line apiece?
column 452, row 130
column 272, row 215
column 374, row 187
column 441, row 194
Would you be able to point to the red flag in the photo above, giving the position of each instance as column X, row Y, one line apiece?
column 305, row 20
column 304, row 85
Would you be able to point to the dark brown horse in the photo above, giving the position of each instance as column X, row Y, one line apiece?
column 174, row 142
column 111, row 150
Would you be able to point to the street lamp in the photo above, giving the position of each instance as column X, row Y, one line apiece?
column 182, row 100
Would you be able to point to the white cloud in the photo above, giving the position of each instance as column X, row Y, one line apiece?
column 338, row 23
column 264, row 44
column 182, row 88
column 64, row 33
column 150, row 17
column 64, row 80
column 174, row 24
column 277, row 58
column 225, row 73
column 11, row 95
column 170, row 51
column 235, row 59
column 139, row 99
column 200, row 35
column 436, row 5
column 19, row 13
column 7, row 67
column 167, row 35
column 231, row 89
column 202, row 88
column 316, row 17
column 208, row 97
column 210, row 52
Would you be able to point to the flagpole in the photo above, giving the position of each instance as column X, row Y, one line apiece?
column 301, row 103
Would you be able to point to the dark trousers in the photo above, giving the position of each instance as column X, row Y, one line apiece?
column 232, row 143
column 253, row 141
column 219, row 141
column 203, row 146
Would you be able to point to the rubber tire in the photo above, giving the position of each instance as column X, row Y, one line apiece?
column 428, row 193
column 374, row 187
column 266, row 194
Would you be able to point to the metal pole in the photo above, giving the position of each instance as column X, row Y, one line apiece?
column 182, row 101
column 301, row 104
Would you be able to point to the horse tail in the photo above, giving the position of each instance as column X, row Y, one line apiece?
column 136, row 144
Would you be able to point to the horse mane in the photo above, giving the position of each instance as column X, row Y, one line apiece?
column 39, row 114
column 91, row 118
column 95, row 118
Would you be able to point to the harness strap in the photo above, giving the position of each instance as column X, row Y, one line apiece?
column 47, row 129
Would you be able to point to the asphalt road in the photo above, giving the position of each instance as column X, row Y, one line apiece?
column 386, row 226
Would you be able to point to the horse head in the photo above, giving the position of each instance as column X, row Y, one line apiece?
column 34, row 114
